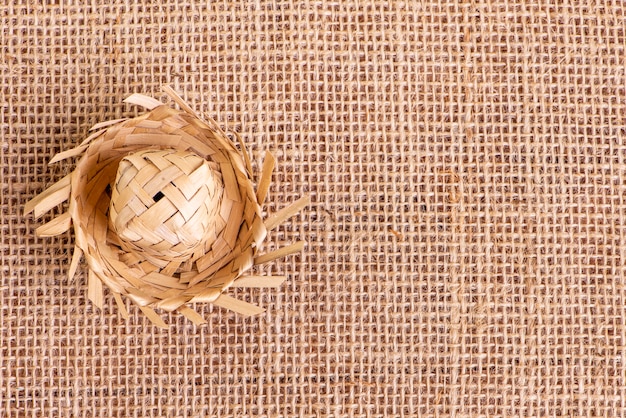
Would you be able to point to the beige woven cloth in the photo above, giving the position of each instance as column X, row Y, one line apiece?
column 466, row 163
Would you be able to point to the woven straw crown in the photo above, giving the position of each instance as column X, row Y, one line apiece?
column 165, row 203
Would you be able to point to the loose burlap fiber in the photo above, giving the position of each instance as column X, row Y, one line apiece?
column 466, row 163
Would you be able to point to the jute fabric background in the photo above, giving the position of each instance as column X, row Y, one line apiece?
column 466, row 163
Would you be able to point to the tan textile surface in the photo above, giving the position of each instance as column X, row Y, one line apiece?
column 466, row 163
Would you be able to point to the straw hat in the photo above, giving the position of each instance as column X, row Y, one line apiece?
column 165, row 212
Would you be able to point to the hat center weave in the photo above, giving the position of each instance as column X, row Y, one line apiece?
column 166, row 203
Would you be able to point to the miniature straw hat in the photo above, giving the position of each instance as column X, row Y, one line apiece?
column 165, row 212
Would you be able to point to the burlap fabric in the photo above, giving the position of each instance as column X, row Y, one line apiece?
column 466, row 164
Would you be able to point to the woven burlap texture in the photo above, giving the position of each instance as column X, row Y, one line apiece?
column 466, row 163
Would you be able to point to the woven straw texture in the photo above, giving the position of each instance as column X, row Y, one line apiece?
column 466, row 163
column 191, row 218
